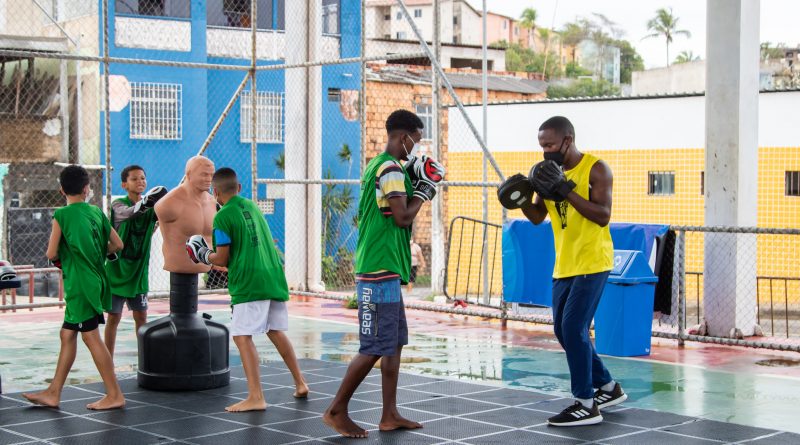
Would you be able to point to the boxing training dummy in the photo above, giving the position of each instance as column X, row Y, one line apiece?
column 184, row 351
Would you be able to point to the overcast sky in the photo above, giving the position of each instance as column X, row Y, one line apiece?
column 779, row 20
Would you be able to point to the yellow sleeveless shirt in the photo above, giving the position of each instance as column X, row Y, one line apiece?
column 582, row 246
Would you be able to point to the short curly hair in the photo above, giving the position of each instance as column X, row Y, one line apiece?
column 73, row 179
column 403, row 120
column 560, row 125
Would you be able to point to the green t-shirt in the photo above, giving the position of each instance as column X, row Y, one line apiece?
column 129, row 274
column 82, row 251
column 255, row 271
column 382, row 244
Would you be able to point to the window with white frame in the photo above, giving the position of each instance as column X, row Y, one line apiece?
column 424, row 110
column 269, row 117
column 417, row 13
column 401, row 35
column 330, row 17
column 156, row 111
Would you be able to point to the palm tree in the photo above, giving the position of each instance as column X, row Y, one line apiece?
column 528, row 22
column 665, row 24
column 686, row 56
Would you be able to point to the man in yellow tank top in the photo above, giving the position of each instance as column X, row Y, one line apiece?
column 579, row 214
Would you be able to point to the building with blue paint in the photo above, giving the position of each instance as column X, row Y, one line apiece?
column 161, row 115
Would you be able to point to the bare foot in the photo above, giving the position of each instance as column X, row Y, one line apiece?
column 108, row 402
column 398, row 422
column 343, row 425
column 247, row 404
column 301, row 391
column 44, row 398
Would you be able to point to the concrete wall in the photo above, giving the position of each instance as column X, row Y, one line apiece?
column 500, row 27
column 687, row 77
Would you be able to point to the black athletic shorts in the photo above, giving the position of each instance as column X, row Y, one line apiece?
column 87, row 325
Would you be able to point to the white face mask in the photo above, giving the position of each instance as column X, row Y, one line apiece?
column 414, row 149
column 89, row 195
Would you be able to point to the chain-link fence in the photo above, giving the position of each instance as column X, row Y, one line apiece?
column 294, row 97
column 291, row 95
column 737, row 286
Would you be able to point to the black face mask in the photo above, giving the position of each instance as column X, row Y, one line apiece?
column 557, row 156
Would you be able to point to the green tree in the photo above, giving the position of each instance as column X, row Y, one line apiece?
column 574, row 32
column 573, row 70
column 528, row 21
column 523, row 59
column 665, row 24
column 686, row 56
column 337, row 260
column 544, row 34
column 770, row 52
column 583, row 88
column 629, row 60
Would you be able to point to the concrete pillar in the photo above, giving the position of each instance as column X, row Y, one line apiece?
column 731, row 171
column 63, row 92
column 438, row 260
column 295, row 146
column 314, row 158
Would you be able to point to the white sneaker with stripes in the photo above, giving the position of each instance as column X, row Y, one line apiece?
column 577, row 415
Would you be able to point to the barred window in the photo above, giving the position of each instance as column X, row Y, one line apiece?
column 424, row 110
column 661, row 183
column 792, row 183
column 236, row 13
column 269, row 117
column 703, row 182
column 267, row 206
column 156, row 8
column 156, row 111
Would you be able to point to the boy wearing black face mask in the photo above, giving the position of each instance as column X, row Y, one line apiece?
column 584, row 256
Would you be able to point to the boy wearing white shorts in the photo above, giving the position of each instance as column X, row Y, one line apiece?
column 256, row 281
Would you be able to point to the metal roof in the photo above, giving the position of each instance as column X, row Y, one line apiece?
column 458, row 80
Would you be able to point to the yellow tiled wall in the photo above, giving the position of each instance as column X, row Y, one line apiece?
column 777, row 255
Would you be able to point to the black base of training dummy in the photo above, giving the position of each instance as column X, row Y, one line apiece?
column 183, row 351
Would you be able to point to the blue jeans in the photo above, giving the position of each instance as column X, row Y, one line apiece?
column 575, row 301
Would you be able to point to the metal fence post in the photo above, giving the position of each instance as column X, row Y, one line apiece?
column 107, row 108
column 680, row 249
column 254, row 105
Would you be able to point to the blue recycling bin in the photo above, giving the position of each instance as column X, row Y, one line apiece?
column 623, row 323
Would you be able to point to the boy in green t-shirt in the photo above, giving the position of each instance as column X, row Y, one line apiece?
column 256, row 282
column 81, row 239
column 135, row 220
column 391, row 197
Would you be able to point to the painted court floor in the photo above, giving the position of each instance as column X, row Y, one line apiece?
column 465, row 378
column 451, row 411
